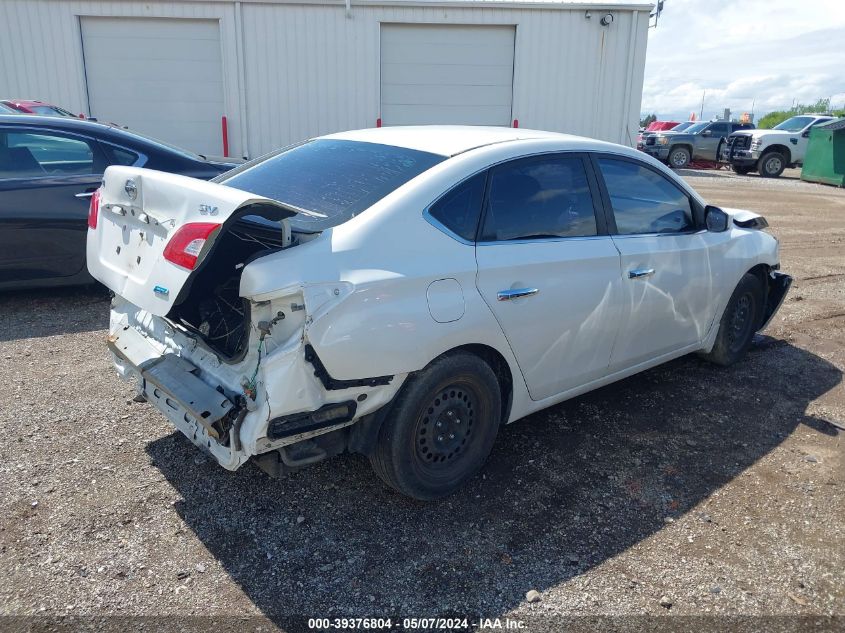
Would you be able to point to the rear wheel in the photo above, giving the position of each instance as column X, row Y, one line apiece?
column 679, row 157
column 771, row 164
column 741, row 170
column 441, row 428
column 739, row 322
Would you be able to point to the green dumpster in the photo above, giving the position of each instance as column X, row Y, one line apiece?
column 825, row 158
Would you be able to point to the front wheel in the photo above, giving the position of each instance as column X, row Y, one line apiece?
column 679, row 157
column 771, row 164
column 740, row 321
column 441, row 428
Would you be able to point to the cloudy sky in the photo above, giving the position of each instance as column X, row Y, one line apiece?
column 744, row 52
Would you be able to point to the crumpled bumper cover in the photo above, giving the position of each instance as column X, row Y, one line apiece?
column 779, row 285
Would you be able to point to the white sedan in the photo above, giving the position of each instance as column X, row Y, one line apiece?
column 403, row 292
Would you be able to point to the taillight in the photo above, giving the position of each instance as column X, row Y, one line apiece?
column 185, row 245
column 94, row 210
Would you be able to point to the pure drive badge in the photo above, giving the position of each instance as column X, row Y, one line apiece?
column 161, row 290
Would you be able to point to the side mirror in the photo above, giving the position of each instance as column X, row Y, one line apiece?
column 706, row 133
column 805, row 134
column 716, row 220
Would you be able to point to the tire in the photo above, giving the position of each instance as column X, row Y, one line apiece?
column 430, row 445
column 739, row 323
column 679, row 157
column 771, row 164
column 741, row 170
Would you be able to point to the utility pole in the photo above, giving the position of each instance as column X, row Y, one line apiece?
column 701, row 114
column 658, row 9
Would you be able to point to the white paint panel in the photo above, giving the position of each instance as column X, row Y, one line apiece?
column 160, row 77
column 461, row 74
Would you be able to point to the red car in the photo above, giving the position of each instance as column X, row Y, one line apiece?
column 655, row 126
column 30, row 106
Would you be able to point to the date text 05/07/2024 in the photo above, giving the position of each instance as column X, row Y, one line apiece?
column 446, row 624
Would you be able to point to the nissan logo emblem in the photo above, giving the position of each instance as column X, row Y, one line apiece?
column 131, row 189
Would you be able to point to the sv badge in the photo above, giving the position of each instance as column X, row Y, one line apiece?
column 207, row 209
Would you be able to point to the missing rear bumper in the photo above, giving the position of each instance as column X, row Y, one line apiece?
column 169, row 382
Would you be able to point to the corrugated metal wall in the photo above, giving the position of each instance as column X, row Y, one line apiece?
column 291, row 71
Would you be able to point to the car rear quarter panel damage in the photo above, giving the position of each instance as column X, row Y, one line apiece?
column 407, row 291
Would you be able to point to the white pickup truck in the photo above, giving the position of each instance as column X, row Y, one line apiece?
column 769, row 152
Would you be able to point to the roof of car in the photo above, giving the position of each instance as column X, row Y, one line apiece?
column 446, row 140
column 26, row 102
column 101, row 130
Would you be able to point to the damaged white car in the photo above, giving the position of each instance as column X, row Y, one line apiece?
column 403, row 292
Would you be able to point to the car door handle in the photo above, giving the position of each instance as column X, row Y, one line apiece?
column 516, row 293
column 639, row 273
column 84, row 194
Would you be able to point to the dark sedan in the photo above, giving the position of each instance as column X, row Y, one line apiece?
column 49, row 167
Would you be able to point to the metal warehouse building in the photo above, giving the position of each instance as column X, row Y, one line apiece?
column 278, row 71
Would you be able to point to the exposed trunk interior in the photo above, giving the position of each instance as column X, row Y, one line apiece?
column 210, row 305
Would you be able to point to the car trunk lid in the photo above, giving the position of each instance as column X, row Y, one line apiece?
column 147, row 219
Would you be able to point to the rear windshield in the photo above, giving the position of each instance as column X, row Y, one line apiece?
column 49, row 111
column 338, row 179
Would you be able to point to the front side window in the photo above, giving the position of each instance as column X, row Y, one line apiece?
column 720, row 129
column 539, row 198
column 696, row 128
column 27, row 155
column 643, row 200
column 460, row 209
column 336, row 178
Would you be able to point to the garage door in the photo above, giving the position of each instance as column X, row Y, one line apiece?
column 160, row 77
column 446, row 74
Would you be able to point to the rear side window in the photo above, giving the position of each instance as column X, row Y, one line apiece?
column 539, row 198
column 119, row 155
column 339, row 179
column 643, row 200
column 459, row 209
column 27, row 155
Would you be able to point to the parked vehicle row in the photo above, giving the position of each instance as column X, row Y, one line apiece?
column 403, row 292
column 49, row 169
column 699, row 141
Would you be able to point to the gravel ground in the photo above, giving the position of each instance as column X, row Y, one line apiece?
column 688, row 490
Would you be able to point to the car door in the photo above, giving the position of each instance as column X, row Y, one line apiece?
column 708, row 141
column 549, row 271
column 46, row 180
column 670, row 266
